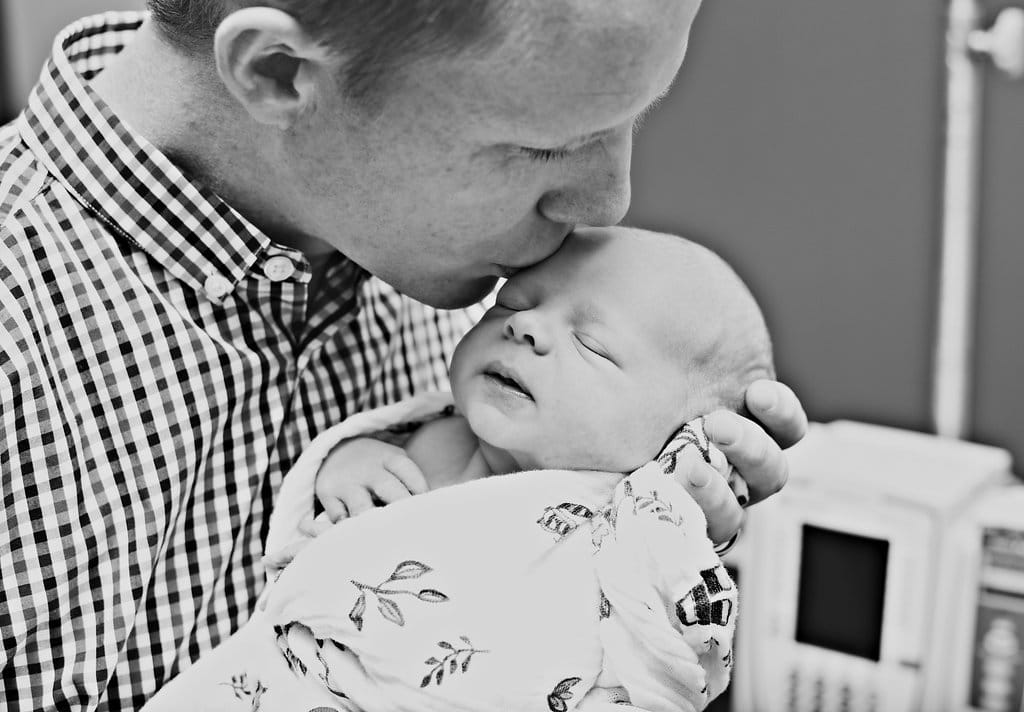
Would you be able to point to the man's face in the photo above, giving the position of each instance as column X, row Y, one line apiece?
column 478, row 166
column 578, row 364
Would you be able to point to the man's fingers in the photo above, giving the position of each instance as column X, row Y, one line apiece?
column 712, row 492
column 739, row 489
column 723, row 512
column 408, row 473
column 778, row 409
column 757, row 458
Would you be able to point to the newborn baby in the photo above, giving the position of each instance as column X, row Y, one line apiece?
column 582, row 581
column 588, row 361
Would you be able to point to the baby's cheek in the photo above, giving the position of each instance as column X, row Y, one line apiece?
column 642, row 435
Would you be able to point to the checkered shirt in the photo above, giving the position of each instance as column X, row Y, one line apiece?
column 161, row 366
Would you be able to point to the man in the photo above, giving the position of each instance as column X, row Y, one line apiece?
column 190, row 206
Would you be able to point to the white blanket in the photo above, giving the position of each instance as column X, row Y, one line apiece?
column 544, row 590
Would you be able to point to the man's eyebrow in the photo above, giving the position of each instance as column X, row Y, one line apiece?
column 638, row 121
column 579, row 141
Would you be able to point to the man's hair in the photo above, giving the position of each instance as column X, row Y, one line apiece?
column 375, row 38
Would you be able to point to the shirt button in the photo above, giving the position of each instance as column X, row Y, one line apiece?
column 278, row 268
column 217, row 287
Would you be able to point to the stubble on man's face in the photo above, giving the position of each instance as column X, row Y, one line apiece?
column 437, row 193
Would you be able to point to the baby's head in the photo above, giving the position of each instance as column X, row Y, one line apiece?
column 594, row 357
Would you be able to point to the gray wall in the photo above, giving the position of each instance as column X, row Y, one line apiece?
column 28, row 28
column 999, row 395
column 803, row 140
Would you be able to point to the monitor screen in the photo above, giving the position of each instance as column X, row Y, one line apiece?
column 842, row 591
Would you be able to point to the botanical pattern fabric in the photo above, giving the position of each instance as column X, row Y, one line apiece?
column 545, row 590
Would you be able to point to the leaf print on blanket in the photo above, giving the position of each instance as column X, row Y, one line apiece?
column 281, row 638
column 450, row 660
column 685, row 437
column 657, row 507
column 386, row 605
column 558, row 696
column 712, row 642
column 240, row 686
column 325, row 675
column 562, row 519
column 603, row 523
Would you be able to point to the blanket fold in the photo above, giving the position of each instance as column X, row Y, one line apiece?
column 546, row 590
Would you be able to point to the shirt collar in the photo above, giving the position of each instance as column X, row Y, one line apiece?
column 115, row 173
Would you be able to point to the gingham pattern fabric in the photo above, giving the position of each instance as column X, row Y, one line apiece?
column 159, row 372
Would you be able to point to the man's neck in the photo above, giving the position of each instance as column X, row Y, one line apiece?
column 179, row 105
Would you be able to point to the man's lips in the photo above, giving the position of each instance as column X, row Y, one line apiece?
column 507, row 270
column 507, row 378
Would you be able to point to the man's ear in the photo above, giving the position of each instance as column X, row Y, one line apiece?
column 269, row 63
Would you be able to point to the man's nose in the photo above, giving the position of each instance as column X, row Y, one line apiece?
column 525, row 327
column 597, row 191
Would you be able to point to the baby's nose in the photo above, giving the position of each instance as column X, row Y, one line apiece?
column 524, row 327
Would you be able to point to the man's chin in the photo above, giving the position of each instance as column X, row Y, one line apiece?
column 453, row 294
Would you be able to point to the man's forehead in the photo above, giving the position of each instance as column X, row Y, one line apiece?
column 588, row 65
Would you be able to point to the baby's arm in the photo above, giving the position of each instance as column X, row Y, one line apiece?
column 356, row 475
column 362, row 473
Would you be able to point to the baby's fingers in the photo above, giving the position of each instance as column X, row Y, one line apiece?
column 407, row 472
column 357, row 500
column 390, row 489
column 334, row 508
column 315, row 527
column 276, row 560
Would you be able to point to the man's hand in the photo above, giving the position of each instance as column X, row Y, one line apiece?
column 363, row 473
column 755, row 450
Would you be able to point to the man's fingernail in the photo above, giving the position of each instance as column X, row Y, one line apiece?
column 700, row 477
column 723, row 433
column 764, row 399
column 742, row 499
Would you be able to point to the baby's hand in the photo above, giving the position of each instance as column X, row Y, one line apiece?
column 363, row 473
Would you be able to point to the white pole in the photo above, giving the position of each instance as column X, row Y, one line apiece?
column 951, row 388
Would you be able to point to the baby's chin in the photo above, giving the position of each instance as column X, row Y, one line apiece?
column 530, row 446
column 558, row 459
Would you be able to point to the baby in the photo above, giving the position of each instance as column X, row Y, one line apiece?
column 588, row 361
column 584, row 580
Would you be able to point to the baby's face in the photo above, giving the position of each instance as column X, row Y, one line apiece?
column 578, row 364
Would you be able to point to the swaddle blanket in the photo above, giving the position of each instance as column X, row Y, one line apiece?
column 546, row 590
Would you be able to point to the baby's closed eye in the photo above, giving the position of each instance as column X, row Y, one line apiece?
column 592, row 345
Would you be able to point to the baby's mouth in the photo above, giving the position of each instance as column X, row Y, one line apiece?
column 506, row 379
